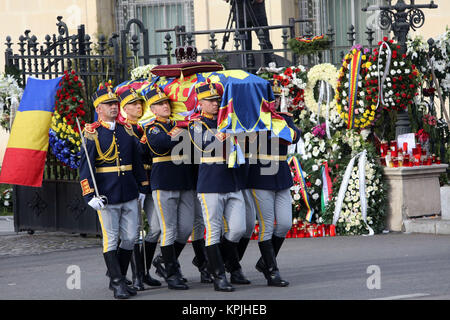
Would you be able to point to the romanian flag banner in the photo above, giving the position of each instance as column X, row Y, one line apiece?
column 300, row 179
column 355, row 66
column 247, row 102
column 181, row 93
column 24, row 160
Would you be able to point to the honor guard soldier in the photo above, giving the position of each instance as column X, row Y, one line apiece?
column 218, row 189
column 271, row 192
column 131, row 102
column 110, row 161
column 244, row 141
column 172, row 185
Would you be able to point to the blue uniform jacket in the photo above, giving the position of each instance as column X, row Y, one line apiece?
column 213, row 177
column 282, row 179
column 167, row 175
column 118, row 186
column 138, row 133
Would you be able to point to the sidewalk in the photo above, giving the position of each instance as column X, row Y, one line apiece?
column 7, row 225
column 19, row 244
column 429, row 225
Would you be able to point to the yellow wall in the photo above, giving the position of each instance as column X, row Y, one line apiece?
column 39, row 16
column 436, row 20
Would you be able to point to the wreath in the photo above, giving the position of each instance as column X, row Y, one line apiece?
column 293, row 80
column 354, row 106
column 396, row 75
column 321, row 72
column 304, row 46
column 64, row 136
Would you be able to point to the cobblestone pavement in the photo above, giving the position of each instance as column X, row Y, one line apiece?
column 43, row 242
column 22, row 243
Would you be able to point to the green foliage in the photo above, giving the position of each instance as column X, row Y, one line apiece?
column 301, row 47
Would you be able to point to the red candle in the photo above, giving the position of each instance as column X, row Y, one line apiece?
column 406, row 162
column 332, row 230
column 395, row 162
column 438, row 160
column 394, row 153
column 405, row 147
column 429, row 161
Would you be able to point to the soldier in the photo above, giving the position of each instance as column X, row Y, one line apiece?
column 272, row 196
column 172, row 186
column 218, row 189
column 131, row 103
column 117, row 169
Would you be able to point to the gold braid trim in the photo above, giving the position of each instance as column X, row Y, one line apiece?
column 148, row 144
column 110, row 155
column 192, row 140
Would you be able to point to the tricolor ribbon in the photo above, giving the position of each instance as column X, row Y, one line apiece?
column 298, row 175
column 355, row 66
column 236, row 156
column 362, row 188
column 327, row 188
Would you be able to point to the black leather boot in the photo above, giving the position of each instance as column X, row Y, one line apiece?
column 200, row 261
column 150, row 248
column 158, row 263
column 271, row 271
column 173, row 279
column 217, row 269
column 178, row 248
column 232, row 262
column 242, row 246
column 124, row 257
column 116, row 282
column 277, row 243
column 137, row 268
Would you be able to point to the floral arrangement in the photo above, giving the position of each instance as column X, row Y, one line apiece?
column 401, row 83
column 350, row 220
column 418, row 50
column 363, row 107
column 64, row 136
column 322, row 72
column 315, row 151
column 10, row 95
column 293, row 80
column 337, row 151
column 143, row 72
column 304, row 46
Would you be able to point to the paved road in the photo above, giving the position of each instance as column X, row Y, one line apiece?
column 410, row 266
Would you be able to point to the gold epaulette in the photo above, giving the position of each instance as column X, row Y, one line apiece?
column 90, row 130
column 128, row 128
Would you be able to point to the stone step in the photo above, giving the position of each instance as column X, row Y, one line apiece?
column 430, row 225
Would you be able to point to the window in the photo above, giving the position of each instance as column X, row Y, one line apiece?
column 157, row 15
column 341, row 14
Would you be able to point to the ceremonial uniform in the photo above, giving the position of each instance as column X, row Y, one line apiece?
column 117, row 167
column 270, row 180
column 140, row 269
column 245, row 141
column 172, row 185
column 219, row 192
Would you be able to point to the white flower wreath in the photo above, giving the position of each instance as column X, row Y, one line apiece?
column 328, row 73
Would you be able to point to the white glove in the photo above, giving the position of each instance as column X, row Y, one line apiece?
column 96, row 203
column 141, row 199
